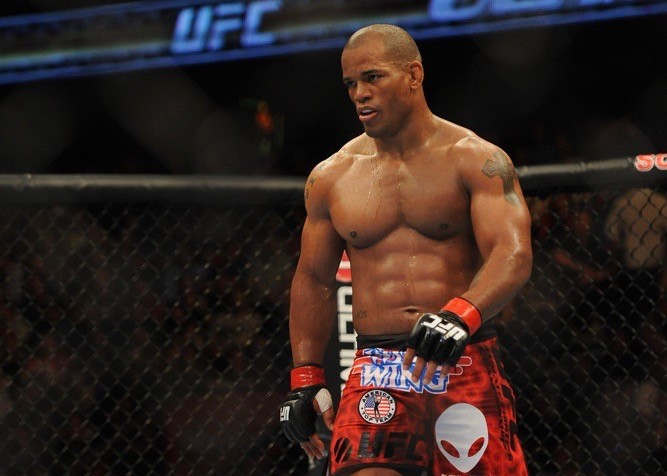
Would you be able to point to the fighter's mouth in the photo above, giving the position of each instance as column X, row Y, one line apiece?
column 366, row 113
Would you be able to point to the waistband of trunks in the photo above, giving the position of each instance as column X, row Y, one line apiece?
column 398, row 341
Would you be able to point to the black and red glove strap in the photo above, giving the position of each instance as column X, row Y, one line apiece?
column 306, row 376
column 466, row 311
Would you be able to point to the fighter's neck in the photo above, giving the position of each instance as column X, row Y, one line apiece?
column 416, row 133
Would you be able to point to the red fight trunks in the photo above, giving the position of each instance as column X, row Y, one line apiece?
column 462, row 423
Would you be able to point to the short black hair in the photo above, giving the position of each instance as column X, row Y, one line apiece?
column 399, row 45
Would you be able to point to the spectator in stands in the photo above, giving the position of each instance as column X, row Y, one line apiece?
column 580, row 257
column 637, row 227
column 574, row 276
column 631, row 433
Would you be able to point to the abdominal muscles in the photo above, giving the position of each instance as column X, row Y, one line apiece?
column 404, row 275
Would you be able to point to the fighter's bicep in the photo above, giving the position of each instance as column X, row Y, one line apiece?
column 495, row 223
column 321, row 249
column 498, row 208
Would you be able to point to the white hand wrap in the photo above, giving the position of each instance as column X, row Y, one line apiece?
column 323, row 399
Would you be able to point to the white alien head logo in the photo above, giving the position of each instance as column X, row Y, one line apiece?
column 462, row 435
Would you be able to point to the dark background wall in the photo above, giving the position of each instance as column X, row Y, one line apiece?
column 584, row 91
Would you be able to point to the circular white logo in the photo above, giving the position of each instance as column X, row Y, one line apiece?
column 377, row 407
column 462, row 435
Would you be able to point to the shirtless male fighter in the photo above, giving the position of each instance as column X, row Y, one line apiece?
column 438, row 236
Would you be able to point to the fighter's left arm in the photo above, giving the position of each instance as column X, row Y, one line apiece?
column 501, row 225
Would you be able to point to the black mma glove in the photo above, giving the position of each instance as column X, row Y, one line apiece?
column 297, row 413
column 443, row 337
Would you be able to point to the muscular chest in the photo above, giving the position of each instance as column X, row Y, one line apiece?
column 374, row 200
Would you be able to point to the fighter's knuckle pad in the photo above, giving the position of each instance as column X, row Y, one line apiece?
column 422, row 338
column 451, row 329
column 421, row 328
column 438, row 337
column 297, row 417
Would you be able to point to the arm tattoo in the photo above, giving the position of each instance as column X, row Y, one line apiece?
column 502, row 167
column 311, row 181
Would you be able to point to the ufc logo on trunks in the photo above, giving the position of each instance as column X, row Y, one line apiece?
column 342, row 450
column 393, row 445
column 284, row 414
column 447, row 329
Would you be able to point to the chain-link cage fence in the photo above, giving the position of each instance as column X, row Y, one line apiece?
column 151, row 337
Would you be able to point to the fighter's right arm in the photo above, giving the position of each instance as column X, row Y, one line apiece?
column 312, row 312
column 313, row 291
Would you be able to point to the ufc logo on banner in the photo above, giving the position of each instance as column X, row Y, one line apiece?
column 447, row 329
column 206, row 28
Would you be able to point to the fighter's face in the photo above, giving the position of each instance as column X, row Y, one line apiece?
column 378, row 88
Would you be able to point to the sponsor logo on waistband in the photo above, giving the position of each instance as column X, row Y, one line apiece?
column 384, row 369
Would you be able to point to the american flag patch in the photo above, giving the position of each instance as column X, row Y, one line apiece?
column 377, row 407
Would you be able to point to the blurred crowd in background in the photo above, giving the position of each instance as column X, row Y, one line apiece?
column 152, row 339
column 136, row 340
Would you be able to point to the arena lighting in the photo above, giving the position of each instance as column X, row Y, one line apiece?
column 153, row 34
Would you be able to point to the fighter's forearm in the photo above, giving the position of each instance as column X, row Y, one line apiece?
column 312, row 312
column 501, row 277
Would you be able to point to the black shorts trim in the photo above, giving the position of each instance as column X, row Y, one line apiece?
column 398, row 341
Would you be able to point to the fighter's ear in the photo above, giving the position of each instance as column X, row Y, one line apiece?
column 416, row 73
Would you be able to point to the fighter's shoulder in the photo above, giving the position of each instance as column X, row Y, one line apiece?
column 471, row 148
column 334, row 165
column 344, row 158
column 326, row 173
column 477, row 158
